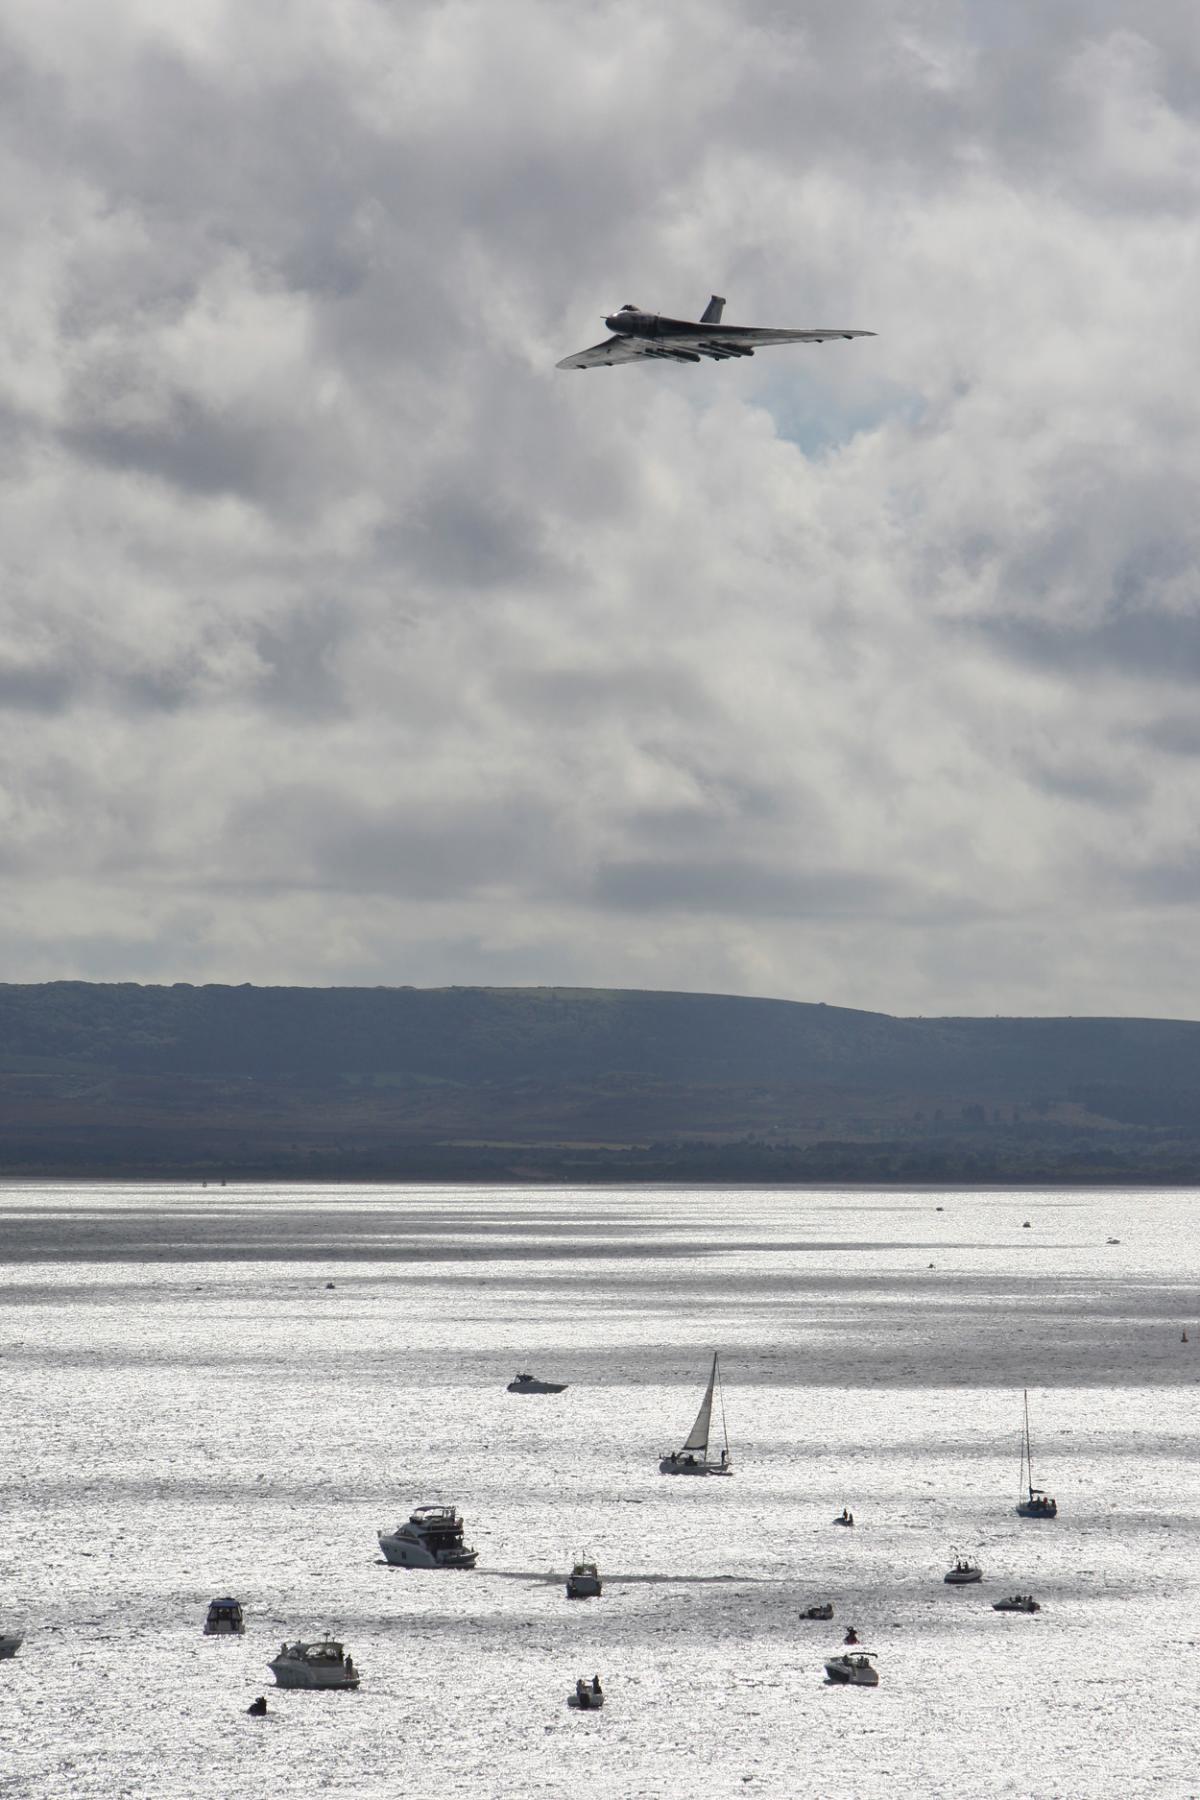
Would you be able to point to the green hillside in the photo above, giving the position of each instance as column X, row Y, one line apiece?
column 586, row 1083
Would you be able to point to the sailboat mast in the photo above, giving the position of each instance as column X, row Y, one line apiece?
column 721, row 1392
column 1027, row 1464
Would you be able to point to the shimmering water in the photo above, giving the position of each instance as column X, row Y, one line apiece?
column 188, row 1411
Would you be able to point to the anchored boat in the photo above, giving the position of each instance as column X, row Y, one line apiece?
column 693, row 1457
column 856, row 1670
column 1035, row 1502
column 224, row 1619
column 323, row 1664
column 529, row 1384
column 432, row 1538
column 583, row 1583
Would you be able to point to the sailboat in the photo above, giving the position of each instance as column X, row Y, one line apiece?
column 693, row 1457
column 1035, row 1502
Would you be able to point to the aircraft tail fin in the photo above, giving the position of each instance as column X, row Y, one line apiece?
column 712, row 312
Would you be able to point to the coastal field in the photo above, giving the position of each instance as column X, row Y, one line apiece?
column 189, row 1409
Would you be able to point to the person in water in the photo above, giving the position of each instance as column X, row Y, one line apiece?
column 851, row 1636
column 258, row 1707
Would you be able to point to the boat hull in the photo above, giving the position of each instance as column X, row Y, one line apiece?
column 962, row 1577
column 675, row 1465
column 402, row 1554
column 9, row 1646
column 588, row 1702
column 537, row 1387
column 304, row 1675
column 583, row 1588
column 1037, row 1509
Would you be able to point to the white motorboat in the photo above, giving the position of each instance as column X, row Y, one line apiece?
column 583, row 1583
column 1036, row 1502
column 432, row 1538
column 530, row 1384
column 224, row 1619
column 323, row 1664
column 693, row 1458
column 964, row 1572
column 1021, row 1603
column 854, row 1670
column 588, row 1696
column 9, row 1645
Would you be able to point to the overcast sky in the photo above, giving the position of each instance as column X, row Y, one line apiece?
column 345, row 639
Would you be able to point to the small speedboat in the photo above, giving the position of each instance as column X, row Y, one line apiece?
column 963, row 1573
column 1022, row 1603
column 529, row 1384
column 583, row 1583
column 854, row 1670
column 587, row 1696
column 845, row 1517
column 224, row 1619
column 10, row 1643
column 323, row 1664
column 824, row 1611
column 432, row 1538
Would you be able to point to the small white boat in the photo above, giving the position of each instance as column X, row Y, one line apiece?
column 854, row 1670
column 224, row 1619
column 9, row 1645
column 587, row 1696
column 964, row 1572
column 1022, row 1603
column 323, row 1664
column 583, row 1583
column 530, row 1384
column 692, row 1458
column 1037, row 1503
column 432, row 1538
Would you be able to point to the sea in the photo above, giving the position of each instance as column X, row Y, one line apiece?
column 232, row 1390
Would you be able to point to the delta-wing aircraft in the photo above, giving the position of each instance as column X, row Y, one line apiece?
column 639, row 335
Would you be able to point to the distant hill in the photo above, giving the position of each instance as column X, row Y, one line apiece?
column 579, row 1083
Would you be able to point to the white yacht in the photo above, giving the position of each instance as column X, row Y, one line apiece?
column 530, row 1384
column 323, row 1664
column 855, row 1670
column 9, row 1644
column 224, row 1619
column 431, row 1539
column 692, row 1458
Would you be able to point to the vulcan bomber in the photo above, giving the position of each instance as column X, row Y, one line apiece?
column 649, row 337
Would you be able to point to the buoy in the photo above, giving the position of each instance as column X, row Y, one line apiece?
column 1183, row 1335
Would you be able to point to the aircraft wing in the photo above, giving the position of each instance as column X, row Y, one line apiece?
column 634, row 349
column 735, row 339
column 612, row 350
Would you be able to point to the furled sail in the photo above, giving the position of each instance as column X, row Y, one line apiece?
column 697, row 1437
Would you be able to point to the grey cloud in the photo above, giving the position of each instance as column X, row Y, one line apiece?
column 746, row 888
column 329, row 604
